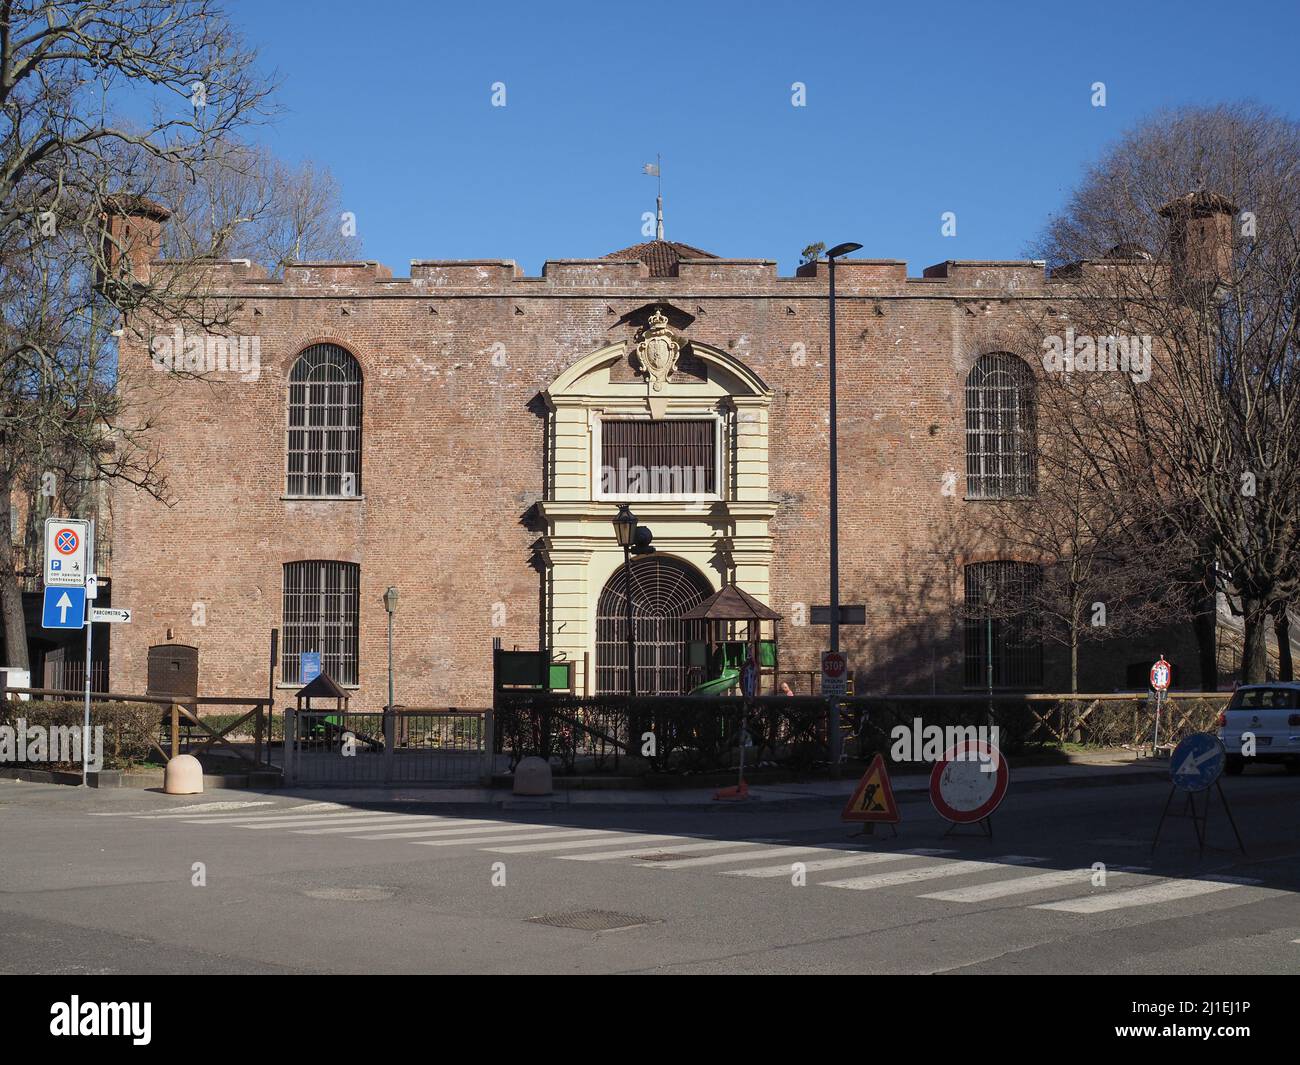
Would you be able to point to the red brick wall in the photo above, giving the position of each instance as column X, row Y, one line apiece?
column 452, row 461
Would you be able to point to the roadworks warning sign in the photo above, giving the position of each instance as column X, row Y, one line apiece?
column 873, row 799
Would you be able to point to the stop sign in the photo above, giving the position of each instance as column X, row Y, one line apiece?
column 833, row 665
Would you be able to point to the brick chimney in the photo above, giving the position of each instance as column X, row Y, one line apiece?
column 1200, row 237
column 132, row 239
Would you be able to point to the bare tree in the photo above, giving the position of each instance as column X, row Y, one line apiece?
column 244, row 203
column 1103, row 570
column 98, row 98
column 1184, row 242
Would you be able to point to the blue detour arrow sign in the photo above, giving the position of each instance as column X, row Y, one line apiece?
column 64, row 608
column 1197, row 762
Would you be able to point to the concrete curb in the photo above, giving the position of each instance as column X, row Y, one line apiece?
column 116, row 778
column 910, row 788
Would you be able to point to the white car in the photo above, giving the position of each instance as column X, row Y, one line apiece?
column 1270, row 713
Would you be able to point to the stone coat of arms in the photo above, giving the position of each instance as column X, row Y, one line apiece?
column 657, row 350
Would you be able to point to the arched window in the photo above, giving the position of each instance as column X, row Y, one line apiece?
column 1001, row 457
column 325, row 424
column 321, row 615
column 663, row 589
column 1002, row 625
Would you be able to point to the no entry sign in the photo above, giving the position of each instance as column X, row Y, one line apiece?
column 969, row 782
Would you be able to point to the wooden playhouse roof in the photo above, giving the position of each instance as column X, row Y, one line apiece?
column 729, row 603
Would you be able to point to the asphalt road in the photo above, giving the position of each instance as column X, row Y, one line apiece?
column 107, row 882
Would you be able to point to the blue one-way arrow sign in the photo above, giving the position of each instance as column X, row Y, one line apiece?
column 64, row 608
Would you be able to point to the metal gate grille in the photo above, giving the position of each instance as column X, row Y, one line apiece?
column 320, row 614
column 398, row 747
column 325, row 423
column 662, row 590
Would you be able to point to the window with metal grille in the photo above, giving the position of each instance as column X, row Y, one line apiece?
column 676, row 457
column 1001, row 456
column 320, row 614
column 1000, row 607
column 325, row 423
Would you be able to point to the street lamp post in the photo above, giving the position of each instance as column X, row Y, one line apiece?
column 839, row 249
column 990, row 597
column 625, row 529
column 390, row 604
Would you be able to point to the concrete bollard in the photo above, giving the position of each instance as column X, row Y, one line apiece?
column 533, row 777
column 183, row 776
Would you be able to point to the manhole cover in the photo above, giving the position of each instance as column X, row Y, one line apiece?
column 350, row 894
column 653, row 857
column 591, row 920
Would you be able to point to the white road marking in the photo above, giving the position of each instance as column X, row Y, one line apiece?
column 872, row 858
column 278, row 811
column 527, row 848
column 202, row 807
column 677, row 848
column 1168, row 891
column 477, row 826
column 266, row 817
column 722, row 859
column 1024, row 885
column 929, row 872
column 385, row 820
column 498, row 839
column 310, row 821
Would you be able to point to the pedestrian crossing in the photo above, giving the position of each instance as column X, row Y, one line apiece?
column 840, row 865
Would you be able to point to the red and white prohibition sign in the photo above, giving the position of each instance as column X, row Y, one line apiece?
column 969, row 782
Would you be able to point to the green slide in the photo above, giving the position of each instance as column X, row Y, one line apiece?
column 729, row 678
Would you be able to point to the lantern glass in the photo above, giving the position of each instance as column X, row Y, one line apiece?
column 625, row 525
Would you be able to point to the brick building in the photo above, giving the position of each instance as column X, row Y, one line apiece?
column 464, row 434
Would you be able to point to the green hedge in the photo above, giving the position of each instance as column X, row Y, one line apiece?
column 127, row 727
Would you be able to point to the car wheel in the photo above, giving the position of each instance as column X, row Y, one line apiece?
column 1234, row 764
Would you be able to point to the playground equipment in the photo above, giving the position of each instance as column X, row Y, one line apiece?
column 726, row 631
column 535, row 670
column 330, row 726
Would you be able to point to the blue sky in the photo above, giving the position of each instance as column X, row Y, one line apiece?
column 912, row 110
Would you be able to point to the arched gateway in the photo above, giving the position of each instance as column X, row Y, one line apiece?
column 676, row 429
column 663, row 589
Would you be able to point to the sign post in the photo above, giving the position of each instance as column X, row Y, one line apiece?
column 835, row 672
column 1160, row 676
column 1195, row 767
column 90, row 628
column 69, row 589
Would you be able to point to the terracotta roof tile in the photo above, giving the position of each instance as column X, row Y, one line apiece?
column 662, row 256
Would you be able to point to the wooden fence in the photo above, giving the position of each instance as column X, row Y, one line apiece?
column 177, row 718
